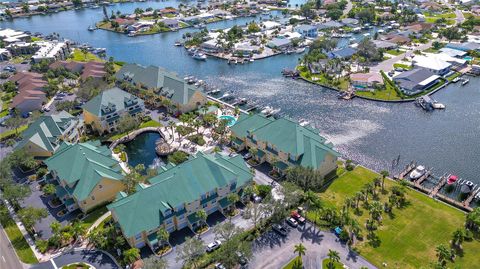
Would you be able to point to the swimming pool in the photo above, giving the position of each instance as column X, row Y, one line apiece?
column 468, row 58
column 231, row 119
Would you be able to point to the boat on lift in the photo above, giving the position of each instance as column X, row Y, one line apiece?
column 465, row 81
column 199, row 56
column 303, row 122
column 438, row 105
column 452, row 179
column 455, row 80
column 466, row 187
column 418, row 172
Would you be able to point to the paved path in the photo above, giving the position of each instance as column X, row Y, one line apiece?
column 8, row 256
column 274, row 251
column 460, row 18
column 347, row 8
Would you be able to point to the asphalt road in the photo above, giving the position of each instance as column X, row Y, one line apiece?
column 93, row 257
column 8, row 257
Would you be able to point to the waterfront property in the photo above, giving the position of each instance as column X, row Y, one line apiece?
column 31, row 91
column 44, row 136
column 434, row 64
column 174, row 197
column 87, row 175
column 167, row 85
column 92, row 69
column 416, row 80
column 103, row 112
column 283, row 143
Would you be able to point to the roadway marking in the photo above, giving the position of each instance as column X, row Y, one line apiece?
column 3, row 258
column 53, row 263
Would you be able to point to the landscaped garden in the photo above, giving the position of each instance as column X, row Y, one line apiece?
column 407, row 236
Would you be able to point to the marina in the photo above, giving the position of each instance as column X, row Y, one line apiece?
column 459, row 193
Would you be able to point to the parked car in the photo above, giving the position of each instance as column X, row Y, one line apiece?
column 301, row 220
column 247, row 156
column 279, row 229
column 219, row 266
column 256, row 198
column 292, row 222
column 214, row 245
column 58, row 98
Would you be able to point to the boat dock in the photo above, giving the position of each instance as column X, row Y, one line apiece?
column 434, row 191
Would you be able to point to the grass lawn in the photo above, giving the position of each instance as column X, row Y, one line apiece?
column 10, row 132
column 452, row 77
column 80, row 57
column 320, row 79
column 404, row 66
column 93, row 216
column 76, row 266
column 336, row 265
column 291, row 264
column 388, row 93
column 408, row 240
column 395, row 52
column 18, row 241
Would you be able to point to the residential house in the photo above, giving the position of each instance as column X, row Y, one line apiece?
column 279, row 43
column 465, row 46
column 420, row 27
column 381, row 44
column 44, row 136
column 343, row 53
column 416, row 80
column 283, row 143
column 432, row 63
column 104, row 111
column 366, row 80
column 5, row 55
column 307, row 30
column 176, row 194
column 245, row 49
column 92, row 69
column 52, row 51
column 349, row 22
column 170, row 23
column 183, row 96
column 396, row 38
column 87, row 175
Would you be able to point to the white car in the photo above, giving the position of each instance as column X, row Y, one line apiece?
column 417, row 173
column 214, row 245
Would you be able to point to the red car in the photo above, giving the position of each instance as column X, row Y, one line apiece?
column 298, row 217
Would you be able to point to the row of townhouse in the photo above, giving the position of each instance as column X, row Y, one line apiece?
column 174, row 197
column 45, row 135
column 31, row 91
column 283, row 143
column 104, row 111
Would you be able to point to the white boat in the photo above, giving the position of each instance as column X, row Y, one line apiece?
column 418, row 172
column 199, row 56
column 252, row 60
column 267, row 110
column 215, row 91
column 303, row 122
column 438, row 105
column 465, row 81
column 131, row 34
column 300, row 50
column 455, row 80
column 92, row 28
column 178, row 43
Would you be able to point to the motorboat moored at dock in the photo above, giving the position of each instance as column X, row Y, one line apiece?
column 418, row 172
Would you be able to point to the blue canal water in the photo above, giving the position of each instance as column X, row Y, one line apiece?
column 372, row 133
column 141, row 150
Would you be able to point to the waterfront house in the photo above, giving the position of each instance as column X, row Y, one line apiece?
column 466, row 46
column 363, row 81
column 416, row 80
column 44, row 136
column 279, row 43
column 183, row 96
column 103, row 112
column 343, row 53
column 92, row 69
column 51, row 51
column 432, row 63
column 245, row 49
column 170, row 23
column 381, row 44
column 396, row 38
column 86, row 175
column 176, row 194
column 307, row 30
column 329, row 25
column 5, row 55
column 349, row 22
column 454, row 52
column 283, row 142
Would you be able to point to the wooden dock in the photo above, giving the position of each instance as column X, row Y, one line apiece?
column 408, row 168
column 472, row 195
column 441, row 183
column 422, row 178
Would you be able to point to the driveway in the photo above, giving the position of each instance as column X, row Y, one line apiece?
column 387, row 65
column 274, row 251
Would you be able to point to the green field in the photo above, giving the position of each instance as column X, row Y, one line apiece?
column 336, row 265
column 80, row 57
column 93, row 216
column 408, row 240
column 404, row 66
column 18, row 241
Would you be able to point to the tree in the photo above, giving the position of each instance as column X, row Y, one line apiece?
column 202, row 216
column 226, row 231
column 368, row 50
column 233, row 198
column 473, row 220
column 300, row 249
column 232, row 251
column 333, row 257
column 190, row 251
column 25, row 8
column 177, row 157
column 163, row 235
column 384, row 174
column 15, row 193
column 255, row 213
column 133, row 178
column 458, row 237
column 334, row 14
column 48, row 189
column 155, row 263
column 253, row 28
column 443, row 253
column 78, row 230
column 15, row 123
column 126, row 123
column 31, row 215
column 376, row 210
column 131, row 255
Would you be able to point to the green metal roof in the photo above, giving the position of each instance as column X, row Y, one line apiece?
column 224, row 202
column 110, row 101
column 193, row 218
column 154, row 77
column 177, row 186
column 247, row 123
column 46, row 130
column 83, row 165
column 281, row 165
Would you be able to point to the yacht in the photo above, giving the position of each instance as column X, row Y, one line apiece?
column 199, row 56
column 92, row 28
column 178, row 43
column 131, row 34
column 455, row 80
column 300, row 50
column 437, row 105
column 466, row 187
column 465, row 81
column 267, row 110
column 418, row 172
column 303, row 122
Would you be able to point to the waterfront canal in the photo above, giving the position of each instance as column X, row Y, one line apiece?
column 372, row 133
column 141, row 150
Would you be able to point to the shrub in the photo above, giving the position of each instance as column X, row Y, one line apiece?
column 197, row 139
column 41, row 172
column 178, row 157
column 42, row 245
column 264, row 190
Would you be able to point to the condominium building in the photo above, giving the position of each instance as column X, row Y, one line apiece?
column 177, row 194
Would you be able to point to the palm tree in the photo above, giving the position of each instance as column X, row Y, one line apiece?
column 163, row 235
column 376, row 210
column 233, row 198
column 202, row 216
column 333, row 257
column 443, row 253
column 49, row 189
column 384, row 174
column 458, row 238
column 300, row 249
column 473, row 220
column 358, row 196
column 131, row 255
